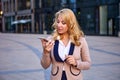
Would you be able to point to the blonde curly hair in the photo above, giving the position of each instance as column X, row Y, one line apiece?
column 74, row 30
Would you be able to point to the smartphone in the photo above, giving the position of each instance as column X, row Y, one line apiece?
column 43, row 39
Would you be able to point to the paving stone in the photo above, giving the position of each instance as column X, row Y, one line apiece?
column 20, row 58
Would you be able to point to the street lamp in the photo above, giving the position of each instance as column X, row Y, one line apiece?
column 1, row 12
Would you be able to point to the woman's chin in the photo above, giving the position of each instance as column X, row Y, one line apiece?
column 60, row 33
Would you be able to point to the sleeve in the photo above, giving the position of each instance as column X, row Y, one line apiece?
column 46, row 60
column 85, row 61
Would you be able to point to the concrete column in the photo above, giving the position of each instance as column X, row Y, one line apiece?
column 11, row 5
column 16, row 5
column 103, row 20
column 32, row 23
column 3, row 19
column 32, row 3
column 32, row 16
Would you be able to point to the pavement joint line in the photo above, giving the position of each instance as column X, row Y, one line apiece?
column 20, row 71
column 36, row 51
column 103, row 51
column 106, row 64
column 118, row 44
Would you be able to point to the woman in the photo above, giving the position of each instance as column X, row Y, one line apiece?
column 67, row 49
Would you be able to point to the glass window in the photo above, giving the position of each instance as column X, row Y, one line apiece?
column 23, row 4
column 24, row 23
column 9, row 27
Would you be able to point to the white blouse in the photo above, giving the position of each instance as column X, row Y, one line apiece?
column 63, row 50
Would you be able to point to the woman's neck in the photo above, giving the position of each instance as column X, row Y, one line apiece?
column 65, row 39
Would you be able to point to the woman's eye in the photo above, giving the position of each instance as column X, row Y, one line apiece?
column 57, row 21
column 63, row 23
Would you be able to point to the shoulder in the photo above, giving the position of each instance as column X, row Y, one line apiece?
column 82, row 39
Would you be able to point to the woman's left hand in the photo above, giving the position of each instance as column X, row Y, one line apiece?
column 71, row 60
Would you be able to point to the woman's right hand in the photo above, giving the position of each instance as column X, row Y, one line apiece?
column 47, row 45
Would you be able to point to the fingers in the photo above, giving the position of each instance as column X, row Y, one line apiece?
column 43, row 42
column 70, row 60
column 48, row 46
column 49, row 43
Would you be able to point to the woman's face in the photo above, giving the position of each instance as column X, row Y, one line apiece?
column 62, row 27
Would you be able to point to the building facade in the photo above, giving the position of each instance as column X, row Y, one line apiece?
column 16, row 14
column 96, row 17
column 99, row 17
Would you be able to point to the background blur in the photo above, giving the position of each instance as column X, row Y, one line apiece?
column 22, row 22
column 96, row 17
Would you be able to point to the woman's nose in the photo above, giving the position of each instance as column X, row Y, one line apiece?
column 59, row 24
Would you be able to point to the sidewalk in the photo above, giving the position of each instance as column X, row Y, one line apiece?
column 20, row 58
column 105, row 54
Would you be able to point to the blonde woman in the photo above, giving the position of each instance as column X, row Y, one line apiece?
column 67, row 49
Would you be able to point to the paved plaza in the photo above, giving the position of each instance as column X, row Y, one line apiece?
column 20, row 57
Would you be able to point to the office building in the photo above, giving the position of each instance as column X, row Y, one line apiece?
column 96, row 17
